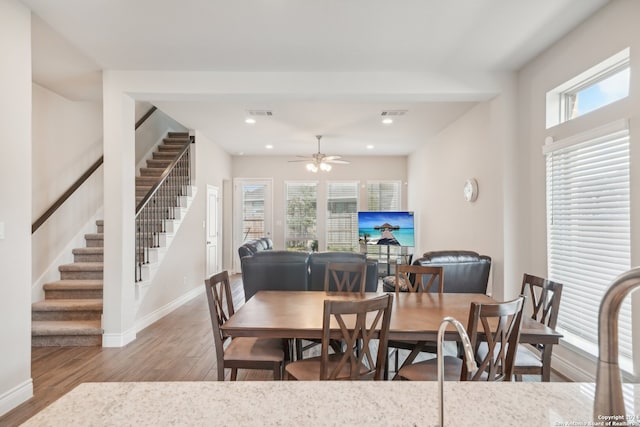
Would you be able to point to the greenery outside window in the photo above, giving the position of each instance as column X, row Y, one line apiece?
column 301, row 216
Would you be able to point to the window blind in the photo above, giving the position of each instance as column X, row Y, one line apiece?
column 302, row 217
column 383, row 196
column 342, row 216
column 588, row 230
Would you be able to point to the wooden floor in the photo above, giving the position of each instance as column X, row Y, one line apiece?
column 178, row 347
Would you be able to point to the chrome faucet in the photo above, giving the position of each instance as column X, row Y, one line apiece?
column 469, row 358
column 608, row 398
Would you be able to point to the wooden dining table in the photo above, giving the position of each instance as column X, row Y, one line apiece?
column 415, row 316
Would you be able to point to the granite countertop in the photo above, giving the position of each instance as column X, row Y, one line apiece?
column 288, row 403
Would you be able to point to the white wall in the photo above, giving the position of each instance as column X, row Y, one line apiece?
column 15, row 209
column 67, row 140
column 604, row 34
column 436, row 175
column 279, row 169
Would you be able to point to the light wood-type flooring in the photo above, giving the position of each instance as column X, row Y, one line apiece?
column 178, row 347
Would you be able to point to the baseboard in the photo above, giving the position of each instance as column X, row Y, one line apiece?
column 168, row 308
column 568, row 369
column 118, row 340
column 16, row 396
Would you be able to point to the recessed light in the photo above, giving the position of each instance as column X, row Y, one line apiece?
column 387, row 121
column 250, row 120
column 370, row 147
column 269, row 147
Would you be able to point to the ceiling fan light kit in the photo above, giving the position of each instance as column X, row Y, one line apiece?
column 319, row 161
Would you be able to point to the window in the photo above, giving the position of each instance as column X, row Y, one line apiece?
column 253, row 215
column 383, row 195
column 601, row 85
column 588, row 229
column 342, row 216
column 301, row 216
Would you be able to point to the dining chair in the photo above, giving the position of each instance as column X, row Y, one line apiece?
column 350, row 322
column 535, row 359
column 239, row 353
column 345, row 277
column 495, row 325
column 338, row 277
column 415, row 278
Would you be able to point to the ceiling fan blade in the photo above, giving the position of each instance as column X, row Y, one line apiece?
column 301, row 160
column 338, row 162
column 332, row 157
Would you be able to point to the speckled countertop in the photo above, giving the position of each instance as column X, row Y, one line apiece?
column 288, row 403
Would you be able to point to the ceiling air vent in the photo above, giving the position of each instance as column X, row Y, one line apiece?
column 260, row 113
column 393, row 113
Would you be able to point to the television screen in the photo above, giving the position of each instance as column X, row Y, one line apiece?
column 386, row 228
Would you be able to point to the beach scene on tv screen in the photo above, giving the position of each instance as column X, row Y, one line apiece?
column 386, row 228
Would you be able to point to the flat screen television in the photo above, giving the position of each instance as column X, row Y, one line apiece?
column 386, row 228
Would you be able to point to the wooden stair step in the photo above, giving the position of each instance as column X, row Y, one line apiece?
column 59, row 333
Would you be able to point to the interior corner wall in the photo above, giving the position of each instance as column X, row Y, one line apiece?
column 607, row 32
column 15, row 210
column 67, row 140
column 151, row 132
column 183, row 268
column 437, row 172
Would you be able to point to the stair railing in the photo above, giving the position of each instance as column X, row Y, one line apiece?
column 160, row 204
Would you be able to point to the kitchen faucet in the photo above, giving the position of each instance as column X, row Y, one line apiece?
column 608, row 399
column 469, row 358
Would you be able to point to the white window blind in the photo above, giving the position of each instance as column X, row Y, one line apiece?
column 588, row 233
column 383, row 196
column 302, row 215
column 342, row 216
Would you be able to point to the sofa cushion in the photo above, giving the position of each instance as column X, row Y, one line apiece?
column 274, row 271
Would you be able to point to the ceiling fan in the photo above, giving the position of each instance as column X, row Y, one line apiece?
column 320, row 161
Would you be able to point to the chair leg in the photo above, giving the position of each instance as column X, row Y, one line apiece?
column 234, row 374
column 220, row 371
column 277, row 372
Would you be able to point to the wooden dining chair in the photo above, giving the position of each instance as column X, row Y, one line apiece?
column 239, row 353
column 535, row 359
column 415, row 278
column 497, row 326
column 349, row 321
column 345, row 277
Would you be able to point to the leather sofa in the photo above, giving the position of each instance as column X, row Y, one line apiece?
column 250, row 247
column 463, row 271
column 318, row 263
column 274, row 271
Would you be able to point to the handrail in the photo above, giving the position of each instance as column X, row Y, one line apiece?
column 164, row 176
column 145, row 117
column 45, row 216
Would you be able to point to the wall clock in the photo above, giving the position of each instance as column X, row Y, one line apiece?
column 470, row 190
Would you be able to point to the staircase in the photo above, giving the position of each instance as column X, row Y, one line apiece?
column 71, row 313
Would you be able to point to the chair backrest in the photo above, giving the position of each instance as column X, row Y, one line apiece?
column 497, row 325
column 318, row 262
column 356, row 320
column 218, row 293
column 464, row 271
column 345, row 277
column 419, row 278
column 272, row 270
column 545, row 298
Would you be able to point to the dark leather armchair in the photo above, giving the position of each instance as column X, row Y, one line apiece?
column 463, row 271
column 274, row 271
column 250, row 247
column 318, row 262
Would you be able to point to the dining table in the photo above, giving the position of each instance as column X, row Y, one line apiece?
column 416, row 316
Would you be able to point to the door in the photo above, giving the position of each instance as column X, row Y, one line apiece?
column 212, row 231
column 253, row 212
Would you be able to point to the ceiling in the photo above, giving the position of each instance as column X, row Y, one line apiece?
column 74, row 40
